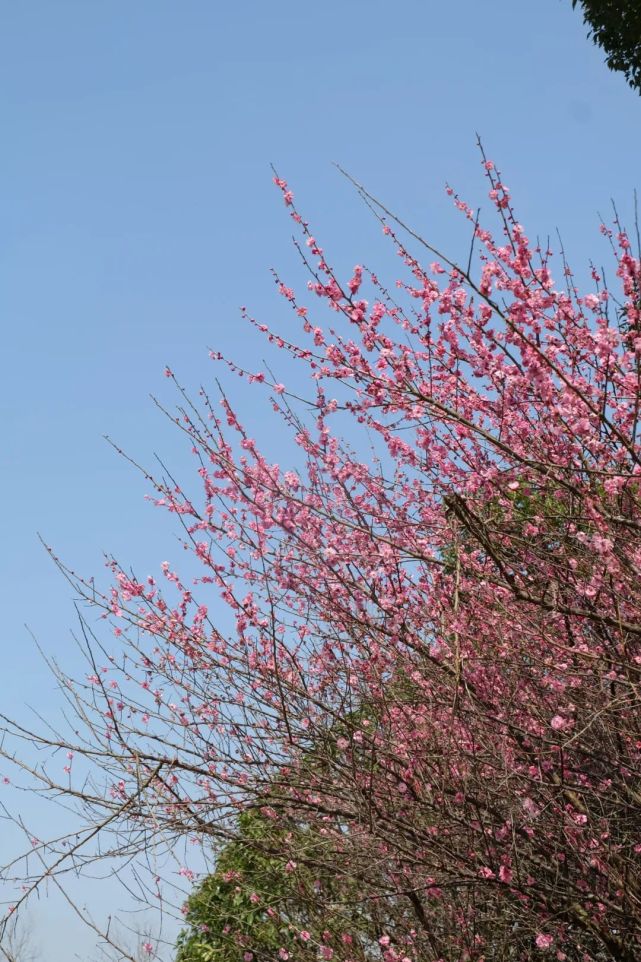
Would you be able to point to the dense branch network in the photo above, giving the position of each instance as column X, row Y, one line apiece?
column 430, row 692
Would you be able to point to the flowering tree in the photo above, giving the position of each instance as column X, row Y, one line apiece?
column 433, row 675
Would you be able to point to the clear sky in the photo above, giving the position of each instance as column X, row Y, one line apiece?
column 137, row 214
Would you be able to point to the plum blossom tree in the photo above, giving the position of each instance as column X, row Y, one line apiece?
column 434, row 667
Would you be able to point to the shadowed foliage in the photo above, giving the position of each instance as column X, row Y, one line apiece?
column 615, row 25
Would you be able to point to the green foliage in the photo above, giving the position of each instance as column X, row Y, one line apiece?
column 615, row 25
column 510, row 514
column 222, row 910
column 268, row 897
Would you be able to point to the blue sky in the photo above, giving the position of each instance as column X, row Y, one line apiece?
column 137, row 215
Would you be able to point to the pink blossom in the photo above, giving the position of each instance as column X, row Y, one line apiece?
column 384, row 644
column 543, row 941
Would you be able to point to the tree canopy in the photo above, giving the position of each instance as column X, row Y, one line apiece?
column 615, row 25
column 272, row 897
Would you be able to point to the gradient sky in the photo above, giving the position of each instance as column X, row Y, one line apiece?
column 137, row 214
